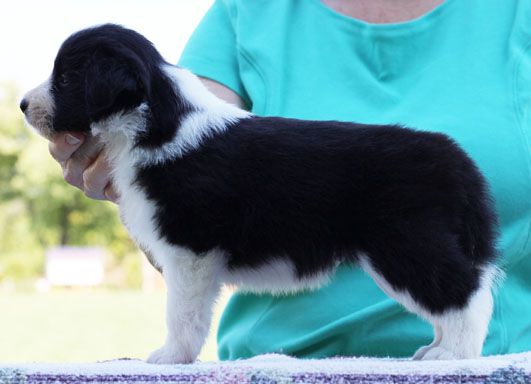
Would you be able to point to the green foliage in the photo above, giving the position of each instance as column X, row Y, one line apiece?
column 133, row 272
column 38, row 209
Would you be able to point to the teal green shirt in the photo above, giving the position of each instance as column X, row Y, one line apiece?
column 463, row 69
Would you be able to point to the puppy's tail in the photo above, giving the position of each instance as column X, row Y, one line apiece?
column 478, row 239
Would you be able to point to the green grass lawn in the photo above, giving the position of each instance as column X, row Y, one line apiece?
column 84, row 326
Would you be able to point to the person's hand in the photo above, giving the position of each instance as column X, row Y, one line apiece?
column 84, row 164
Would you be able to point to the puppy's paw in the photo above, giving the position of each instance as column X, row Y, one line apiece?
column 421, row 352
column 169, row 354
column 436, row 353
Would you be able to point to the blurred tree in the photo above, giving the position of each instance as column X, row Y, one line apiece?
column 38, row 209
column 13, row 136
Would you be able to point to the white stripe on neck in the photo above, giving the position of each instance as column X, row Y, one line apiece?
column 211, row 115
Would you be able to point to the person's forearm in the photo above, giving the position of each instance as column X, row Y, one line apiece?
column 224, row 92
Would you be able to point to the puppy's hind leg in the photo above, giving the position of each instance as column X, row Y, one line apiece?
column 193, row 285
column 462, row 332
column 456, row 299
column 419, row 354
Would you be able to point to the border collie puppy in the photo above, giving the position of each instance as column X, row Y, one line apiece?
column 216, row 195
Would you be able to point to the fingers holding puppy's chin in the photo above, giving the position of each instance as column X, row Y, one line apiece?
column 84, row 165
column 63, row 145
column 111, row 194
column 96, row 179
column 91, row 178
column 73, row 169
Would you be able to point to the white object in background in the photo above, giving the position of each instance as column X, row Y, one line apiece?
column 75, row 266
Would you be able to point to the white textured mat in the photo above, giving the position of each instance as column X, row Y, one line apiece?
column 264, row 369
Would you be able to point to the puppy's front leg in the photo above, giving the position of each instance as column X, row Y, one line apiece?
column 193, row 285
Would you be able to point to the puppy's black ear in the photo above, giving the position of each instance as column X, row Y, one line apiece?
column 112, row 84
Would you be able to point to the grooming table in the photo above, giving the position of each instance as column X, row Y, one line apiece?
column 278, row 369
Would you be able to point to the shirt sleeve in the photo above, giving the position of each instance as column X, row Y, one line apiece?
column 212, row 51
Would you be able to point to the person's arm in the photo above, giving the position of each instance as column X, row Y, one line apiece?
column 224, row 93
column 91, row 173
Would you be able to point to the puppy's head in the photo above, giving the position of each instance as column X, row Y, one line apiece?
column 97, row 72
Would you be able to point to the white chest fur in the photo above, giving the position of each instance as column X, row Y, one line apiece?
column 136, row 210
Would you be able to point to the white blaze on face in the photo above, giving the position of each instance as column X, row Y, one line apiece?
column 40, row 109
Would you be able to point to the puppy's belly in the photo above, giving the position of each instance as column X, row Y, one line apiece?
column 277, row 276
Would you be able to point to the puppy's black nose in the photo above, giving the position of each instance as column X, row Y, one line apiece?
column 24, row 105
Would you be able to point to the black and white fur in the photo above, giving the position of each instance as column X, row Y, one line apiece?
column 216, row 195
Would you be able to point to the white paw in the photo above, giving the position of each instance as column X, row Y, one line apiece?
column 169, row 354
column 436, row 353
column 421, row 352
